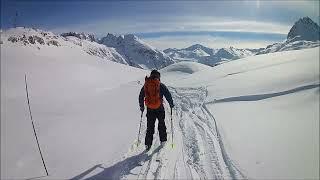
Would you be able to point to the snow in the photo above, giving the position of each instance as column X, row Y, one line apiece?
column 99, row 50
column 137, row 52
column 288, row 45
column 21, row 35
column 255, row 117
column 274, row 139
column 267, row 108
column 304, row 34
column 127, row 49
column 182, row 70
column 76, row 102
column 205, row 55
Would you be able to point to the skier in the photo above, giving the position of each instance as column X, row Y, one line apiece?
column 152, row 94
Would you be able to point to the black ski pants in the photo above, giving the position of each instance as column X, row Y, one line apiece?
column 152, row 115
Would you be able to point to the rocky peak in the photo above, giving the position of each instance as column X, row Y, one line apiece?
column 84, row 36
column 304, row 29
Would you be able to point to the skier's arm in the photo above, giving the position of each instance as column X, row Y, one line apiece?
column 141, row 98
column 167, row 94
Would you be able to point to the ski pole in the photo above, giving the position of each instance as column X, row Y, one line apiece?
column 34, row 131
column 139, row 129
column 171, row 130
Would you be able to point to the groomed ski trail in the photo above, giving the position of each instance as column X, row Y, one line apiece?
column 198, row 151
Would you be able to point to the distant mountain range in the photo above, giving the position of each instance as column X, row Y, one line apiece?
column 130, row 50
column 303, row 34
column 208, row 56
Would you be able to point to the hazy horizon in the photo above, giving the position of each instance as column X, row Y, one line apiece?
column 167, row 24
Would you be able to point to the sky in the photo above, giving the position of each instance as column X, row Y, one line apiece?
column 166, row 24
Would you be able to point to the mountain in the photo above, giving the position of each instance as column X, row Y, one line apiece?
column 82, row 35
column 288, row 45
column 305, row 29
column 74, row 98
column 244, row 97
column 197, row 47
column 40, row 39
column 192, row 53
column 88, row 44
column 229, row 121
column 136, row 52
column 303, row 34
column 208, row 56
column 127, row 49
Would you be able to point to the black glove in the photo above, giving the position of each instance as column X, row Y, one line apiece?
column 141, row 108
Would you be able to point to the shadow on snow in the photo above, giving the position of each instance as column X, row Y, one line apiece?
column 119, row 169
column 264, row 96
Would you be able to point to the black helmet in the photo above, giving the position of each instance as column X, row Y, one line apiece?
column 155, row 74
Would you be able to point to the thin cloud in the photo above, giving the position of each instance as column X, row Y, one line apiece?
column 145, row 25
column 165, row 42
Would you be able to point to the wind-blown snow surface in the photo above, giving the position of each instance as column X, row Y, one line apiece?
column 183, row 70
column 267, row 110
column 255, row 117
column 85, row 110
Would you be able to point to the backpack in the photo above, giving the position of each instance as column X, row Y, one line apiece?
column 152, row 93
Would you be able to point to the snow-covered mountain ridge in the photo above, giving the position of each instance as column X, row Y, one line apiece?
column 137, row 52
column 127, row 49
column 42, row 39
column 206, row 55
column 288, row 45
column 303, row 34
column 29, row 36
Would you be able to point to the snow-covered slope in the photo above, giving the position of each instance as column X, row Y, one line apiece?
column 182, row 69
column 76, row 100
column 256, row 117
column 40, row 39
column 128, row 49
column 99, row 50
column 267, row 111
column 137, row 52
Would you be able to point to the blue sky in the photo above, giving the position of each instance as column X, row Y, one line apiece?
column 164, row 24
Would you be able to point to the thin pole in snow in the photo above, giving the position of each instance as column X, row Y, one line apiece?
column 139, row 129
column 171, row 130
column 34, row 131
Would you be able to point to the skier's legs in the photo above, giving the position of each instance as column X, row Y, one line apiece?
column 162, row 125
column 151, row 118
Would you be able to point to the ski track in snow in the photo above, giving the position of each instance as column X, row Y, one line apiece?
column 198, row 151
column 204, row 148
